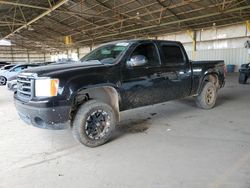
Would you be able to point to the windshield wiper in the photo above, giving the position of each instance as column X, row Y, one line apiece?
column 92, row 62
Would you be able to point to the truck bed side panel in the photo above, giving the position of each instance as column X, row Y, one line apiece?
column 203, row 68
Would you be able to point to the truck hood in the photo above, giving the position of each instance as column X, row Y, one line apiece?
column 49, row 70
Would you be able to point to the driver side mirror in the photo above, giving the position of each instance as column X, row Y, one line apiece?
column 137, row 60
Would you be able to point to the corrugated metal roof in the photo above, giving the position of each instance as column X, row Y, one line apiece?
column 96, row 21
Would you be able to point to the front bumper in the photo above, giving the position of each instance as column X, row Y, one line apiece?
column 55, row 118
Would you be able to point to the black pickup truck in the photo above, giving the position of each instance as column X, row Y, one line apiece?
column 89, row 95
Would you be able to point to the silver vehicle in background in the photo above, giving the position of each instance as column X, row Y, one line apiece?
column 11, row 82
column 14, row 71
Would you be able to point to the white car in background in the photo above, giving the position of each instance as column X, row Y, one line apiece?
column 12, row 81
column 14, row 71
column 6, row 67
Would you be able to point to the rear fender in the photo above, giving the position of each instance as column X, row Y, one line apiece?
column 209, row 77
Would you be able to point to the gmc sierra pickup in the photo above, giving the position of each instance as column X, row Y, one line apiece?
column 89, row 95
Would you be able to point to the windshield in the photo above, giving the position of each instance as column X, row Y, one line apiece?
column 106, row 54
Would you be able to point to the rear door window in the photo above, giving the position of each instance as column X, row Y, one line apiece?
column 172, row 54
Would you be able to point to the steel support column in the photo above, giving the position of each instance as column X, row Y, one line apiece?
column 192, row 34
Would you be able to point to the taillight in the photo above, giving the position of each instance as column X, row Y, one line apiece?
column 225, row 70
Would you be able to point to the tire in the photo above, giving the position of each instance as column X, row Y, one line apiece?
column 3, row 80
column 87, row 123
column 242, row 78
column 207, row 97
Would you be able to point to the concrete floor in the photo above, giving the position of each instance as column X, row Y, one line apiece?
column 168, row 145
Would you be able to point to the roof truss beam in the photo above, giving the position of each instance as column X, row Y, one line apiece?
column 172, row 22
column 60, row 3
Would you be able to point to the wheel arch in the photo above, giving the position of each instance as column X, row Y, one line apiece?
column 209, row 77
column 106, row 94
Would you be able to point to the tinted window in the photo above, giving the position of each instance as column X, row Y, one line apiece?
column 18, row 69
column 7, row 67
column 149, row 51
column 172, row 54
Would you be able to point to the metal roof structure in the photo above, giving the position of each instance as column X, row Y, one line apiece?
column 42, row 24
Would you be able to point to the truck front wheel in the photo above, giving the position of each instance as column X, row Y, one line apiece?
column 94, row 123
column 207, row 97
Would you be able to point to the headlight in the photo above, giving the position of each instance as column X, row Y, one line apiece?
column 46, row 87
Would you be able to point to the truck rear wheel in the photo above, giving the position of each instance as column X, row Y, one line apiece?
column 242, row 78
column 207, row 97
column 94, row 123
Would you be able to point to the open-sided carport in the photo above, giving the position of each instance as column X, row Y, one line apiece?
column 172, row 144
column 41, row 24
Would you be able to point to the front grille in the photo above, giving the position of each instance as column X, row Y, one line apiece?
column 25, row 86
